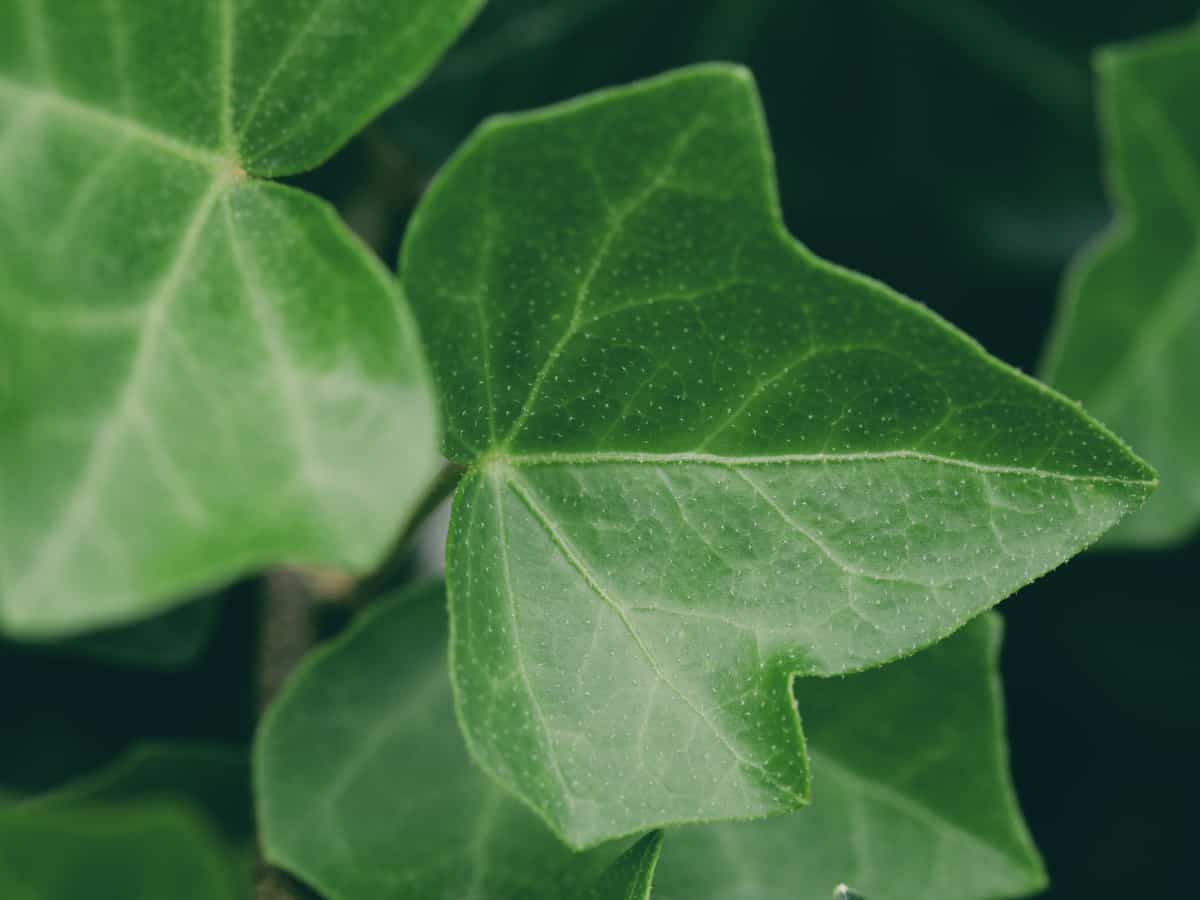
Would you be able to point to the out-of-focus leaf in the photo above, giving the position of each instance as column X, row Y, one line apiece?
column 1127, row 342
column 204, row 372
column 170, row 640
column 213, row 779
column 164, row 821
column 138, row 852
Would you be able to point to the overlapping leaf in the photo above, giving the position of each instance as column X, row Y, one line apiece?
column 173, row 639
column 211, row 779
column 702, row 460
column 911, row 796
column 133, row 853
column 365, row 789
column 164, row 821
column 1127, row 342
column 203, row 372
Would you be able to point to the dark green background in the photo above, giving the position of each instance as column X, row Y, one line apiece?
column 947, row 147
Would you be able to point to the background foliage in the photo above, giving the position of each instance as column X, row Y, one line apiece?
column 946, row 148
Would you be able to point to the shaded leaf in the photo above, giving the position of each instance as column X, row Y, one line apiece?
column 365, row 790
column 171, row 640
column 911, row 794
column 211, row 779
column 703, row 460
column 128, row 853
column 205, row 372
column 142, row 827
column 1127, row 341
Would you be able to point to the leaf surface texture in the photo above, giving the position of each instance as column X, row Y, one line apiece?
column 911, row 788
column 911, row 794
column 204, row 372
column 385, row 804
column 702, row 460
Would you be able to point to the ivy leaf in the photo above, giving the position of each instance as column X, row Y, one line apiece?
column 142, row 827
column 132, row 853
column 204, row 372
column 171, row 640
column 911, row 797
column 701, row 460
column 1127, row 341
column 365, row 790
column 212, row 779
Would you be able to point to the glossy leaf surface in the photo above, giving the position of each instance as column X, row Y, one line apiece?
column 366, row 791
column 1127, row 341
column 702, row 460
column 911, row 796
column 204, row 372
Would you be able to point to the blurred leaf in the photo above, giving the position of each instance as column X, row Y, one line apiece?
column 174, row 639
column 139, row 852
column 365, row 790
column 702, row 459
column 911, row 794
column 1127, row 342
column 212, row 779
column 205, row 372
column 142, row 827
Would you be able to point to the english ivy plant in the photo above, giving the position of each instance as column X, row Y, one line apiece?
column 1137, row 364
column 206, row 372
column 701, row 461
column 703, row 480
column 895, row 819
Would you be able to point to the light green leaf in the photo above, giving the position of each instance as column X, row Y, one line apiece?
column 911, row 795
column 702, row 460
column 204, row 372
column 1127, row 342
column 365, row 790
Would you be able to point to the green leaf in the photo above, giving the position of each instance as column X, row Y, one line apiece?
column 921, row 135
column 142, row 827
column 212, row 779
column 702, row 460
column 911, row 796
column 365, row 790
column 174, row 639
column 1127, row 341
column 204, row 372
column 631, row 875
column 130, row 853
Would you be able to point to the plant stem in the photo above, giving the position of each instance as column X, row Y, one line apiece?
column 286, row 631
column 397, row 560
